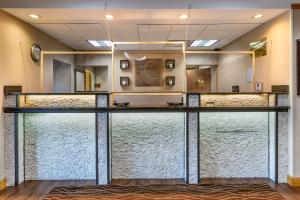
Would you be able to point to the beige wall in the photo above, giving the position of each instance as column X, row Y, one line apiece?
column 178, row 72
column 294, row 139
column 16, row 66
column 272, row 69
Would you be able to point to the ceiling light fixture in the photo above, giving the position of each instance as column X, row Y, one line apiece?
column 34, row 16
column 107, row 16
column 99, row 43
column 258, row 16
column 184, row 16
column 203, row 43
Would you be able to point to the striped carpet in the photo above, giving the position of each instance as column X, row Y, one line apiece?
column 165, row 192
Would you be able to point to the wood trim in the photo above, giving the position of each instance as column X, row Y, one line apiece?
column 295, row 6
column 294, row 181
column 2, row 184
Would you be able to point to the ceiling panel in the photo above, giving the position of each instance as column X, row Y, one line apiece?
column 73, row 27
column 213, row 35
column 159, row 35
column 78, row 45
column 86, row 27
column 152, row 46
column 122, row 36
column 160, row 28
column 196, row 28
column 222, row 27
column 128, row 47
column 52, row 27
column 182, row 35
column 144, row 28
column 118, row 26
column 90, row 35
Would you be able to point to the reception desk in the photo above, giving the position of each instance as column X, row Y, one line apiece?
column 82, row 136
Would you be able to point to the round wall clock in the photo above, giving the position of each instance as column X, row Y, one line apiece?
column 36, row 53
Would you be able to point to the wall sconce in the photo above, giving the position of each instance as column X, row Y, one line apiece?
column 170, row 64
column 124, row 81
column 124, row 64
column 170, row 80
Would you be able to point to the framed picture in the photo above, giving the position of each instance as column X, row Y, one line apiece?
column 149, row 73
column 260, row 47
column 170, row 64
column 124, row 81
column 124, row 64
column 170, row 80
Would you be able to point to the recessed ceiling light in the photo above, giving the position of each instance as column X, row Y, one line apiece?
column 184, row 16
column 99, row 43
column 203, row 43
column 109, row 17
column 258, row 16
column 34, row 16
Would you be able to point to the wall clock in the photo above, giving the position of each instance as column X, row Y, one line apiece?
column 36, row 53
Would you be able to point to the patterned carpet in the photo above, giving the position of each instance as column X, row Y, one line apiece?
column 165, row 192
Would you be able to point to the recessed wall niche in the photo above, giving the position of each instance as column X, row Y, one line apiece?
column 124, row 64
column 124, row 81
column 170, row 64
column 170, row 80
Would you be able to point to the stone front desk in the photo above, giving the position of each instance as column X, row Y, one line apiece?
column 78, row 136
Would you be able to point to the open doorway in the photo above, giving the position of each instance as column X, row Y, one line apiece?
column 91, row 79
column 201, row 78
column 61, row 76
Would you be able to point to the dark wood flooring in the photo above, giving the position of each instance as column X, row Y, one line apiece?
column 36, row 190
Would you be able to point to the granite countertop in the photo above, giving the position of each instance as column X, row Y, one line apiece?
column 141, row 109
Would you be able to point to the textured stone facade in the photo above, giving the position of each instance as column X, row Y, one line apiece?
column 103, row 142
column 9, row 148
column 60, row 146
column 234, row 100
column 234, row 145
column 60, row 101
column 283, row 158
column 145, row 145
column 9, row 138
column 148, row 145
column 193, row 134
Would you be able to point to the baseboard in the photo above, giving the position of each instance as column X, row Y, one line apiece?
column 294, row 181
column 3, row 184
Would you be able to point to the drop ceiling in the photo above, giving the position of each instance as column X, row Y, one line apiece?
column 74, row 26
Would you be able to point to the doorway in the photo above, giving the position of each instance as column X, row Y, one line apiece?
column 61, row 76
column 201, row 79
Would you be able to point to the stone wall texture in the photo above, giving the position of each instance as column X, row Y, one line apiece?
column 234, row 145
column 234, row 100
column 60, row 101
column 9, row 148
column 9, row 138
column 148, row 145
column 283, row 158
column 59, row 146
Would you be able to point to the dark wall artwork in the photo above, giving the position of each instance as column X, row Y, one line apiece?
column 149, row 73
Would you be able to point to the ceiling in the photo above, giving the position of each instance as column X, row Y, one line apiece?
column 150, row 4
column 74, row 26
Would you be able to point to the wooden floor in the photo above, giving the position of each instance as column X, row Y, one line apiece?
column 36, row 190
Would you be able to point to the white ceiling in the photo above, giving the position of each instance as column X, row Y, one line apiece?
column 150, row 4
column 74, row 26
